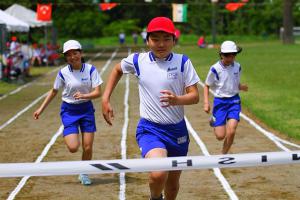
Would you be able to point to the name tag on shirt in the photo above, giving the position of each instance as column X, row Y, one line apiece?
column 172, row 75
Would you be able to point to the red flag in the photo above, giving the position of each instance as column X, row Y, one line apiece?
column 107, row 6
column 234, row 6
column 44, row 12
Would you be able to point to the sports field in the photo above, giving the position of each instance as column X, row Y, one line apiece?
column 269, row 98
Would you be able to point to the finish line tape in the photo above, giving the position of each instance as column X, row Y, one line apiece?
column 147, row 165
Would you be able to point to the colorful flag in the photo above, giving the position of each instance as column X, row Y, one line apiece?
column 44, row 12
column 234, row 6
column 107, row 6
column 179, row 12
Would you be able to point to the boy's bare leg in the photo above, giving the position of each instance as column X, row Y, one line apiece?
column 157, row 180
column 230, row 133
column 172, row 185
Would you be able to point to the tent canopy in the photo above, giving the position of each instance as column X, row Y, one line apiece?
column 13, row 24
column 26, row 15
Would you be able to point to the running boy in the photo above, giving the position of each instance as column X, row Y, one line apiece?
column 224, row 80
column 167, row 81
column 80, row 83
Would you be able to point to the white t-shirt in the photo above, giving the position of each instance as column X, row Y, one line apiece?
column 224, row 81
column 155, row 75
column 83, row 80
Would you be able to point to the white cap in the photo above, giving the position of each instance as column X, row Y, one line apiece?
column 229, row 47
column 71, row 44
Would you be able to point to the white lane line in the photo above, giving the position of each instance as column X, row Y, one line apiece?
column 278, row 141
column 22, row 111
column 46, row 149
column 122, row 192
column 108, row 61
column 217, row 171
column 23, row 181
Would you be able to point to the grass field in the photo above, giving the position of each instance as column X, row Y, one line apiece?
column 270, row 69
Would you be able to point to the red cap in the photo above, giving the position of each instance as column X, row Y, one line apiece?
column 13, row 38
column 161, row 24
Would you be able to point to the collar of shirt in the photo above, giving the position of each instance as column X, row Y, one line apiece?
column 152, row 57
column 81, row 69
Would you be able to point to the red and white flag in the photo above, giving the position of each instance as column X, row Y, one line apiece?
column 234, row 6
column 107, row 6
column 44, row 12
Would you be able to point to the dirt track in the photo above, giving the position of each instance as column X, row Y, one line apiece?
column 24, row 140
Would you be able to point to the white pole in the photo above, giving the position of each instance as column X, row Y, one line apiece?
column 147, row 165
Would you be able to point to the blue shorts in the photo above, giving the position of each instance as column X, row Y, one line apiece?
column 78, row 115
column 122, row 41
column 172, row 137
column 226, row 108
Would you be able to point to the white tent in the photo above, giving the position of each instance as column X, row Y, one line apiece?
column 26, row 15
column 12, row 23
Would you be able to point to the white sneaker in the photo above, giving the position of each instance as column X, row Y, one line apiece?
column 84, row 179
column 212, row 121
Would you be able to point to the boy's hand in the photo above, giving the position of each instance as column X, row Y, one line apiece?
column 243, row 87
column 168, row 98
column 206, row 107
column 107, row 112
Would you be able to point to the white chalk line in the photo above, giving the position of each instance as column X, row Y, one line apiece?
column 217, row 171
column 122, row 192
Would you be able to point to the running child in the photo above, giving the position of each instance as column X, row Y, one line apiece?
column 167, row 81
column 224, row 80
column 80, row 83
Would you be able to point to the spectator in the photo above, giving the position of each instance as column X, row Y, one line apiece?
column 144, row 36
column 122, row 38
column 201, row 42
column 36, row 56
column 135, row 38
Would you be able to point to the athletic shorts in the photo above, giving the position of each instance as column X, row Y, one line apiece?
column 172, row 137
column 80, row 115
column 226, row 108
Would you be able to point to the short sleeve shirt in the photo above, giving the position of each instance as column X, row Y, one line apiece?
column 224, row 80
column 155, row 75
column 83, row 80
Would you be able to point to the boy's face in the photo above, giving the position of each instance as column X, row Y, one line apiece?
column 228, row 58
column 161, row 43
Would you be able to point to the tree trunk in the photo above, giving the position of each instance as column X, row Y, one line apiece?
column 288, row 24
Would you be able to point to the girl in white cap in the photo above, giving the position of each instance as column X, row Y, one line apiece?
column 80, row 83
column 224, row 80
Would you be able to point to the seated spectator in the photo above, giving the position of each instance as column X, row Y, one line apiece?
column 36, row 56
column 201, row 42
column 14, row 45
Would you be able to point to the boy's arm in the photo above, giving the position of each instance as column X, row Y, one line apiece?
column 206, row 106
column 190, row 97
column 243, row 87
column 113, row 79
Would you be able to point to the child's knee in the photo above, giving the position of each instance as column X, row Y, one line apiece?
column 73, row 148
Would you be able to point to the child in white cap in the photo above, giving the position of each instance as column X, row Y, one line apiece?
column 224, row 80
column 80, row 83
